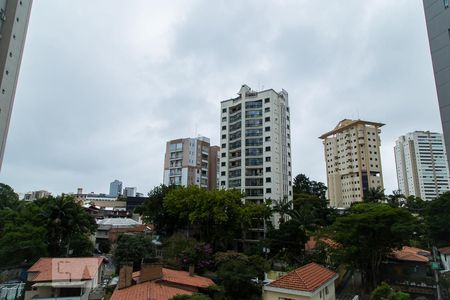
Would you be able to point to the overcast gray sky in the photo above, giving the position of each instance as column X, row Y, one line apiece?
column 104, row 84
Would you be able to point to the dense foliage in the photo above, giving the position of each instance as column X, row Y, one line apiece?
column 52, row 226
column 368, row 233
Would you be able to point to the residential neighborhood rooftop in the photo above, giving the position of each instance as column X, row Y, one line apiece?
column 65, row 268
column 307, row 278
column 411, row 254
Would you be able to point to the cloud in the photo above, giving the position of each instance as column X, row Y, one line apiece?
column 104, row 85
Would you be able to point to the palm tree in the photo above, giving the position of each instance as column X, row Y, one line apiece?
column 394, row 199
column 283, row 207
column 375, row 195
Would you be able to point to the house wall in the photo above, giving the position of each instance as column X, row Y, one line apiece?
column 319, row 295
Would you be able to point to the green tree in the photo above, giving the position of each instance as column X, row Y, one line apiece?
column 283, row 207
column 65, row 221
column 437, row 220
column 8, row 198
column 21, row 242
column 415, row 205
column 236, row 272
column 302, row 184
column 312, row 211
column 288, row 241
column 133, row 249
column 104, row 246
column 368, row 234
column 214, row 216
column 395, row 198
column 374, row 195
column 385, row 292
column 152, row 211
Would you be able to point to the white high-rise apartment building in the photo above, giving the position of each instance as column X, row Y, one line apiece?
column 129, row 191
column 421, row 161
column 191, row 161
column 255, row 154
column 14, row 16
column 352, row 155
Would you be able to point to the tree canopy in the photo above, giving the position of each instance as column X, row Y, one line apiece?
column 368, row 233
column 438, row 221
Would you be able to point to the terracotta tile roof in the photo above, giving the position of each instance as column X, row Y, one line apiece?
column 66, row 268
column 150, row 290
column 181, row 277
column 311, row 244
column 307, row 278
column 445, row 250
column 411, row 254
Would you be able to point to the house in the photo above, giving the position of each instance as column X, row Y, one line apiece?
column 110, row 229
column 311, row 281
column 64, row 278
column 157, row 283
column 408, row 270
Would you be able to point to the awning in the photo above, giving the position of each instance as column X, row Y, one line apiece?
column 61, row 284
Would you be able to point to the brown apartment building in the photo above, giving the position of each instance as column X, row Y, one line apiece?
column 191, row 161
column 353, row 160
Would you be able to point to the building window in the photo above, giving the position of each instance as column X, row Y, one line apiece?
column 267, row 158
column 224, row 119
column 224, row 154
column 224, row 136
column 267, row 119
column 446, row 3
column 268, row 190
column 224, row 110
column 267, row 109
column 223, row 164
column 224, row 127
column 224, row 145
column 223, row 173
column 267, row 139
column 268, row 169
column 222, row 183
column 267, row 100
column 268, row 179
column 267, row 128
column 268, row 148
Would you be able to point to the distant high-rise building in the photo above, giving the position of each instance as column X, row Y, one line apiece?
column 421, row 161
column 437, row 15
column 14, row 16
column 255, row 155
column 129, row 192
column 34, row 195
column 191, row 161
column 115, row 188
column 353, row 161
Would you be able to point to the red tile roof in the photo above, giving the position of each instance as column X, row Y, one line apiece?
column 445, row 250
column 149, row 290
column 411, row 254
column 311, row 244
column 307, row 278
column 66, row 268
column 181, row 278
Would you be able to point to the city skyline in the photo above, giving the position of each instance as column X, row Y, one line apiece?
column 83, row 112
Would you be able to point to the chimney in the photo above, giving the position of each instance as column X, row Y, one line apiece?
column 191, row 270
column 125, row 276
column 151, row 271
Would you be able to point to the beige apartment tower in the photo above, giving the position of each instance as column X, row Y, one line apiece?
column 353, row 161
column 14, row 16
column 191, row 161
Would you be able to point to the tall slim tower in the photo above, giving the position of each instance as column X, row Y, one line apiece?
column 437, row 15
column 255, row 155
column 421, row 164
column 353, row 160
column 115, row 188
column 14, row 16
